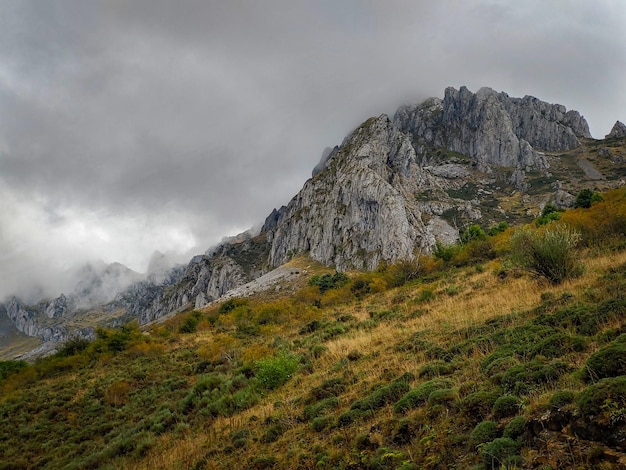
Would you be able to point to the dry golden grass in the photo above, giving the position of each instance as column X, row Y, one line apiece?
column 476, row 297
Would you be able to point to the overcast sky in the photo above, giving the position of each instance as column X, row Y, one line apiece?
column 133, row 126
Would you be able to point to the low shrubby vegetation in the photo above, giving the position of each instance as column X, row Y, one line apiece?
column 505, row 350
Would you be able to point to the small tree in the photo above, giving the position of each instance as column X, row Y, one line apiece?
column 548, row 253
column 586, row 197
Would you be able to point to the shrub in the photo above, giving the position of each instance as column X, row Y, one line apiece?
column 232, row 304
column 586, row 197
column 473, row 232
column 558, row 345
column 435, row 368
column 73, row 346
column 500, row 452
column 321, row 423
column 549, row 253
column 442, row 396
column 329, row 281
column 523, row 378
column 419, row 395
column 275, row 371
column 608, row 362
column 484, row 431
column 479, row 404
column 445, row 252
column 549, row 213
column 190, row 324
column 314, row 411
column 11, row 367
column 498, row 228
column 505, row 406
column 561, row 398
column 515, row 428
column 382, row 396
column 596, row 397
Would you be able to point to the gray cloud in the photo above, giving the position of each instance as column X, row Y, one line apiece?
column 158, row 125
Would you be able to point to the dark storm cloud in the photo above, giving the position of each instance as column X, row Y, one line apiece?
column 158, row 124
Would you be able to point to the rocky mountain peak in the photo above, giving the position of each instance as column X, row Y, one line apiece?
column 493, row 128
column 618, row 131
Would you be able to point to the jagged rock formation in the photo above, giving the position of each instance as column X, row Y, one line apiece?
column 356, row 212
column 491, row 128
column 27, row 319
column 206, row 278
column 618, row 131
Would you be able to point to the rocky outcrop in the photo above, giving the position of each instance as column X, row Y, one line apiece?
column 618, row 131
column 27, row 320
column 492, row 128
column 358, row 210
column 206, row 278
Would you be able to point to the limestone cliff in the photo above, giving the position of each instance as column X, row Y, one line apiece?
column 357, row 210
column 618, row 131
column 491, row 128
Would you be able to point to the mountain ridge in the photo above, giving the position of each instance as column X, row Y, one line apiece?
column 394, row 188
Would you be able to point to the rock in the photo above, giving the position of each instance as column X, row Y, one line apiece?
column 618, row 131
column 327, row 154
column 59, row 307
column 359, row 210
column 492, row 128
column 563, row 199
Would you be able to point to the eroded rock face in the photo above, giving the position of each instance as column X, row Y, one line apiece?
column 357, row 211
column 618, row 131
column 492, row 128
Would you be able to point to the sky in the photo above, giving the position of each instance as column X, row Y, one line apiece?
column 129, row 127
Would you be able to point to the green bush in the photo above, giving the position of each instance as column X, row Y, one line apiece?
column 275, row 371
column 558, row 345
column 11, row 367
column 478, row 404
column 473, row 232
column 435, row 368
column 190, row 325
column 515, row 428
column 419, row 395
column 321, row 423
column 523, row 378
column 607, row 393
column 586, row 198
column 500, row 453
column 313, row 411
column 329, row 388
column 561, row 398
column 549, row 213
column 484, row 431
column 445, row 252
column 505, row 406
column 381, row 396
column 73, row 346
column 608, row 362
column 549, row 253
column 329, row 281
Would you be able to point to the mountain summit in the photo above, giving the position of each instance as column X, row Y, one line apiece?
column 393, row 189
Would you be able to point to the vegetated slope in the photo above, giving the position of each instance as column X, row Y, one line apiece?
column 458, row 363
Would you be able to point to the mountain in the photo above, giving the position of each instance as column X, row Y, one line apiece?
column 392, row 190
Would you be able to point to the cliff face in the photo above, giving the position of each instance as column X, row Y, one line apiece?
column 493, row 129
column 355, row 212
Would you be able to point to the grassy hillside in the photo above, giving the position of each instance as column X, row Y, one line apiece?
column 460, row 360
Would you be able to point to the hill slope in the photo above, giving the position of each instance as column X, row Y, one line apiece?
column 458, row 363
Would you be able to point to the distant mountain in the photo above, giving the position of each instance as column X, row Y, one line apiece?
column 394, row 188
